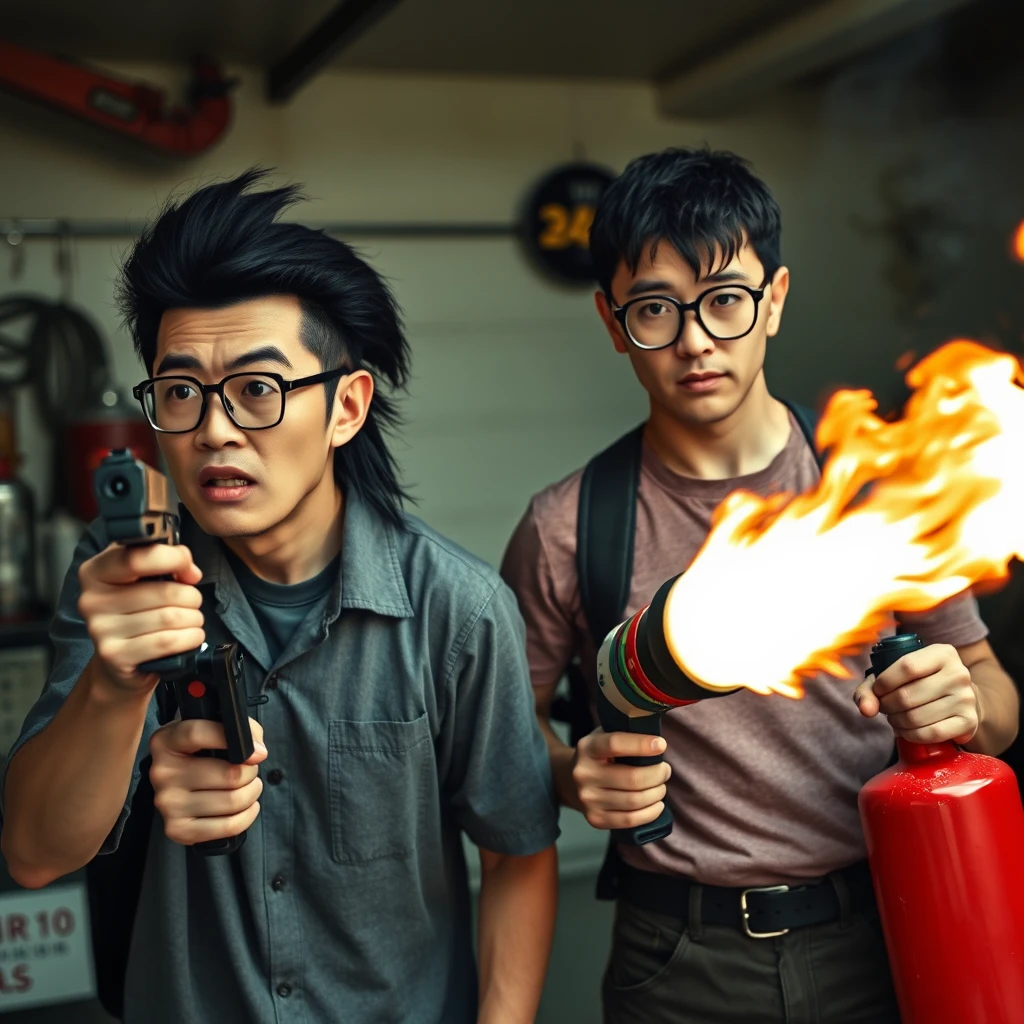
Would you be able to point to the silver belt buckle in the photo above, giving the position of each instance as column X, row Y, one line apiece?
column 746, row 913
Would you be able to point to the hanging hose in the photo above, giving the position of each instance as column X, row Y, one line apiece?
column 61, row 359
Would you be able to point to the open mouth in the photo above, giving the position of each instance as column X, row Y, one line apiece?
column 227, row 481
column 224, row 483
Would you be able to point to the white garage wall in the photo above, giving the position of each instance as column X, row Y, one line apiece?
column 514, row 383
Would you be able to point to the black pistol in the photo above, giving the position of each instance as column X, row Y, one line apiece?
column 134, row 503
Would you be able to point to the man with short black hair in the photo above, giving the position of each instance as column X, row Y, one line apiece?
column 398, row 713
column 763, row 790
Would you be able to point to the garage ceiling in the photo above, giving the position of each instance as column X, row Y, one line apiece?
column 703, row 56
column 594, row 38
column 245, row 31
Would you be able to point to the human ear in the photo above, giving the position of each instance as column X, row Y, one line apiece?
column 777, row 300
column 604, row 310
column 351, row 406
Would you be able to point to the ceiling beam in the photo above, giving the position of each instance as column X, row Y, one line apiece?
column 819, row 36
column 349, row 20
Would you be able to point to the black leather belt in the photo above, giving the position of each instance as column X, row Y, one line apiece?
column 760, row 911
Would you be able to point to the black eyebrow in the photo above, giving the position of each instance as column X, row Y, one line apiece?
column 178, row 361
column 266, row 354
column 650, row 285
column 647, row 285
column 725, row 276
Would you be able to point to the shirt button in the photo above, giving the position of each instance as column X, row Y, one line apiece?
column 278, row 883
column 274, row 776
column 284, row 990
column 272, row 681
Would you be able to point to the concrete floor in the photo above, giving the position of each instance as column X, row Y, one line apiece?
column 572, row 994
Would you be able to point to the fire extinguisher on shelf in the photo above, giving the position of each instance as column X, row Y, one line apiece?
column 19, row 597
column 106, row 423
column 945, row 838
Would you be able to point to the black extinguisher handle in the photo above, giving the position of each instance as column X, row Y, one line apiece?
column 613, row 720
column 887, row 652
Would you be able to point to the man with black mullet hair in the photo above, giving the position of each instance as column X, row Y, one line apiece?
column 399, row 713
column 758, row 907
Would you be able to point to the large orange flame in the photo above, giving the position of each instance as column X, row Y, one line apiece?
column 907, row 514
column 1017, row 245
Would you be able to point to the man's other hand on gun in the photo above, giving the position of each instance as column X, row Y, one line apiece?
column 203, row 798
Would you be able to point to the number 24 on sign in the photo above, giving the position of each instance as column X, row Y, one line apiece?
column 563, row 227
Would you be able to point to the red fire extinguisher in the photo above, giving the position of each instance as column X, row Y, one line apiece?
column 945, row 839
column 91, row 434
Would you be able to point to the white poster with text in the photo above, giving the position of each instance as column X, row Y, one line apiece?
column 45, row 947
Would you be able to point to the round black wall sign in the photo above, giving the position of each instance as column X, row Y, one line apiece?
column 559, row 212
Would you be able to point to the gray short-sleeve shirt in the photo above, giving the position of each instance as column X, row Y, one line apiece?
column 398, row 716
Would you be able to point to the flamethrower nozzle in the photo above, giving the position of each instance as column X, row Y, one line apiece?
column 638, row 681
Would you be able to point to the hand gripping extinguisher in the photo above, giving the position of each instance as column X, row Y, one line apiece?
column 638, row 680
column 945, row 838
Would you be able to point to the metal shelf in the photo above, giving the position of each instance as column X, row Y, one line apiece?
column 18, row 229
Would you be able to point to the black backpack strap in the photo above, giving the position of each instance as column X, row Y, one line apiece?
column 807, row 421
column 606, row 531
column 605, row 536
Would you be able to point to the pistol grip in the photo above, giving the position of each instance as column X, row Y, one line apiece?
column 217, row 847
column 173, row 664
column 613, row 720
column 169, row 666
column 229, row 844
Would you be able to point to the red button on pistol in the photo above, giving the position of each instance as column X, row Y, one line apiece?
column 196, row 689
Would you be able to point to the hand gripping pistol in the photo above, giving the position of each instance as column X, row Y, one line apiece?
column 134, row 503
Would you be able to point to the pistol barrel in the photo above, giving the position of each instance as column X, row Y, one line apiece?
column 134, row 501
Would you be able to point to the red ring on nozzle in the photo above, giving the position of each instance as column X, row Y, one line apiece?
column 632, row 664
column 636, row 669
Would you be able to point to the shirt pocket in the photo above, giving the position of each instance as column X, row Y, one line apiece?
column 379, row 784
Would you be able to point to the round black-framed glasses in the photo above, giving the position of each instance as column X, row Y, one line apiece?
column 177, row 404
column 726, row 312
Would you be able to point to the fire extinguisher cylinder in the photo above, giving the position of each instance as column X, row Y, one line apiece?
column 944, row 830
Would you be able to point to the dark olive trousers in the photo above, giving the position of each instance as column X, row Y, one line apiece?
column 662, row 971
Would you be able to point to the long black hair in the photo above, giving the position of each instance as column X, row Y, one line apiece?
column 223, row 244
column 703, row 203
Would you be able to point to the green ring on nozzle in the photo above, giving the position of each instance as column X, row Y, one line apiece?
column 621, row 677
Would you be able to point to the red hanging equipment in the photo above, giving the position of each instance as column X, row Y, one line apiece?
column 131, row 109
